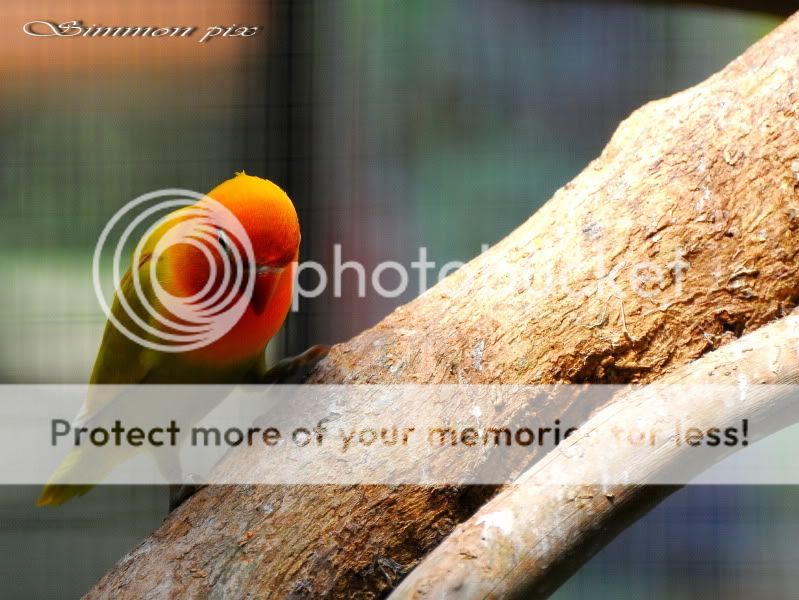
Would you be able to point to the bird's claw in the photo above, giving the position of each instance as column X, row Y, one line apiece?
column 296, row 368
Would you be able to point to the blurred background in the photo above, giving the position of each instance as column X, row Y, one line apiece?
column 392, row 126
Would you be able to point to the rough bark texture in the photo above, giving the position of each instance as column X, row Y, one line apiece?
column 713, row 170
column 532, row 537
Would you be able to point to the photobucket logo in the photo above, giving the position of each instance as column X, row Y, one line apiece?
column 156, row 318
column 149, row 314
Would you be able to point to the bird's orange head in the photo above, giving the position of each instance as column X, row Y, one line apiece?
column 265, row 213
column 252, row 220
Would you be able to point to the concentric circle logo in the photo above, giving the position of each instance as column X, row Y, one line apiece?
column 147, row 313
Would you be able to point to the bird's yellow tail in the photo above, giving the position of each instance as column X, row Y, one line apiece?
column 55, row 493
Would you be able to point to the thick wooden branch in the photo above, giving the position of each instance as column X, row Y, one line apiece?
column 707, row 178
column 548, row 531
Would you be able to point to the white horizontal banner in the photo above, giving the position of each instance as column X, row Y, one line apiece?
column 433, row 434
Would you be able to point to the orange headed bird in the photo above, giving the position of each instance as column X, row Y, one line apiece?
column 246, row 217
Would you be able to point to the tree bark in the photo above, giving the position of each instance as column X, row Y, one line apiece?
column 547, row 531
column 707, row 178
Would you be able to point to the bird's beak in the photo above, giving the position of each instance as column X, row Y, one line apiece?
column 267, row 279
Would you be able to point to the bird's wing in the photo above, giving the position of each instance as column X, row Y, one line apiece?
column 120, row 359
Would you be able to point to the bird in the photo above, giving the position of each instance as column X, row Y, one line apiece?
column 245, row 218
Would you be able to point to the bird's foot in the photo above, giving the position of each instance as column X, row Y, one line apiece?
column 296, row 368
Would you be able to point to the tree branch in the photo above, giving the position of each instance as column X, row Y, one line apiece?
column 707, row 178
column 557, row 528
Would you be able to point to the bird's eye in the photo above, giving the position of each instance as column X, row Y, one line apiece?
column 224, row 241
